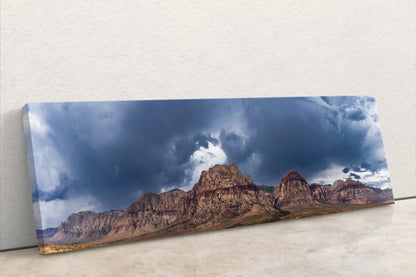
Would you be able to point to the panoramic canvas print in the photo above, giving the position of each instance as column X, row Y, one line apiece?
column 105, row 173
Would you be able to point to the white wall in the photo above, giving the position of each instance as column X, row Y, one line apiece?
column 104, row 50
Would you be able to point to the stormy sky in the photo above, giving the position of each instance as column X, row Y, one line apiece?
column 103, row 155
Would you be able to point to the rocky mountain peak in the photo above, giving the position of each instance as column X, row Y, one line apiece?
column 85, row 225
column 222, row 193
column 293, row 191
column 349, row 183
column 150, row 201
column 174, row 192
column 221, row 176
column 291, row 176
column 223, row 197
column 347, row 192
column 81, row 214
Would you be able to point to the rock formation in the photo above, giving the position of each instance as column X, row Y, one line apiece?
column 223, row 192
column 384, row 194
column 157, row 211
column 85, row 226
column 223, row 197
column 349, row 192
column 293, row 192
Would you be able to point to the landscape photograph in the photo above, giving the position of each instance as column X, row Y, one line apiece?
column 112, row 172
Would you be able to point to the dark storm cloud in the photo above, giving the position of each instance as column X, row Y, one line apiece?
column 61, row 191
column 300, row 134
column 365, row 167
column 114, row 151
column 354, row 176
column 356, row 115
column 287, row 134
column 184, row 147
column 235, row 146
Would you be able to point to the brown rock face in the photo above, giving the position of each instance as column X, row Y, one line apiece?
column 321, row 193
column 156, row 211
column 292, row 175
column 220, row 177
column 384, row 194
column 152, row 212
column 293, row 192
column 221, row 193
column 354, row 192
column 85, row 226
column 222, row 197
column 224, row 192
column 348, row 192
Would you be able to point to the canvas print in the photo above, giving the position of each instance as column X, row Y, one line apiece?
column 104, row 173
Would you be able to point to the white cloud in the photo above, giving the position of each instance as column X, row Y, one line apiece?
column 379, row 179
column 95, row 128
column 339, row 111
column 56, row 211
column 49, row 164
column 48, row 161
column 38, row 126
column 327, row 176
column 202, row 159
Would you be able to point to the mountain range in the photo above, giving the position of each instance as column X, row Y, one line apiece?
column 222, row 198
